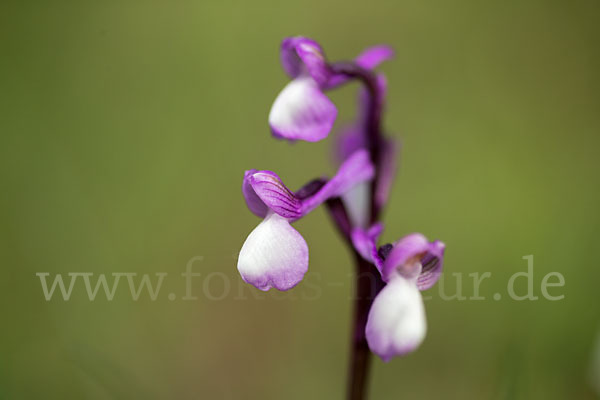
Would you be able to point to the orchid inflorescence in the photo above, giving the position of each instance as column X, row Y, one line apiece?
column 275, row 255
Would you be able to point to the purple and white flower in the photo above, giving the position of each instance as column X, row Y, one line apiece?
column 275, row 254
column 302, row 111
column 396, row 323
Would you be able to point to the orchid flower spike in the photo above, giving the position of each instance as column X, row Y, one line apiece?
column 275, row 254
column 396, row 323
column 302, row 111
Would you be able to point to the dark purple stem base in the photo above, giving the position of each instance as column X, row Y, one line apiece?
column 368, row 284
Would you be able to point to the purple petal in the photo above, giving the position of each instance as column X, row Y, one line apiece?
column 301, row 56
column 357, row 168
column 396, row 324
column 373, row 56
column 414, row 258
column 368, row 59
column 302, row 112
column 273, row 255
column 405, row 257
column 290, row 60
column 264, row 190
column 365, row 243
column 254, row 203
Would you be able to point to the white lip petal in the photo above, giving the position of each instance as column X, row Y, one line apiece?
column 273, row 255
column 302, row 112
column 396, row 324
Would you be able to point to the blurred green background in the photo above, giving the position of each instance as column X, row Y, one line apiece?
column 126, row 127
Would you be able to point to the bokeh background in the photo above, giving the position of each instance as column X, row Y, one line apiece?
column 125, row 130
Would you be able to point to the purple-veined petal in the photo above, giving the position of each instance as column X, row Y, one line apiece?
column 357, row 168
column 414, row 258
column 432, row 263
column 277, row 197
column 373, row 56
column 396, row 324
column 273, row 255
column 254, row 203
column 302, row 112
column 301, row 56
column 264, row 191
column 268, row 187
